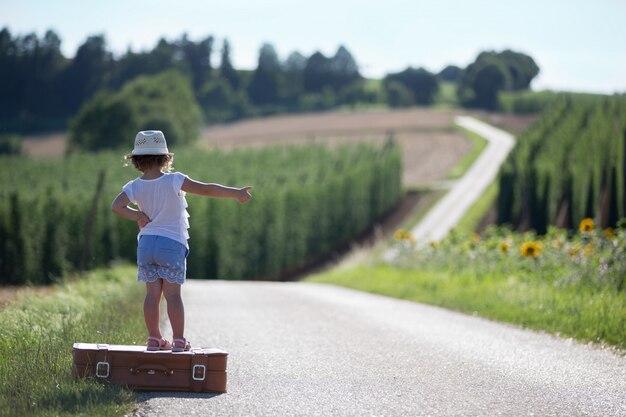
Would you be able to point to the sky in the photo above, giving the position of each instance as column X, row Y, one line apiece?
column 579, row 45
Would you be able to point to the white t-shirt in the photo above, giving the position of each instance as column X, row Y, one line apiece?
column 164, row 203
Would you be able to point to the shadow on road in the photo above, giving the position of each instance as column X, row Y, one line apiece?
column 148, row 395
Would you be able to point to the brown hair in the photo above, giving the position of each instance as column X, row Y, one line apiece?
column 145, row 162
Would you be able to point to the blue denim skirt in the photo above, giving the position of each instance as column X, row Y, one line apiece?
column 161, row 257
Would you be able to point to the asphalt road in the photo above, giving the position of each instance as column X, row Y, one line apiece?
column 311, row 349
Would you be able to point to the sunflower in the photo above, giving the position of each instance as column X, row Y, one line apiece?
column 531, row 248
column 573, row 251
column 504, row 246
column 609, row 233
column 586, row 225
column 402, row 234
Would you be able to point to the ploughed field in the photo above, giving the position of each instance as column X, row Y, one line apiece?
column 430, row 144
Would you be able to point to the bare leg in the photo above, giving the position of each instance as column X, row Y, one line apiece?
column 175, row 308
column 151, row 307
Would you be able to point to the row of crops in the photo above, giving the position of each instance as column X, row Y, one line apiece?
column 55, row 216
column 569, row 165
column 532, row 102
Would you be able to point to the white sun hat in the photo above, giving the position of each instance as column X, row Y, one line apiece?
column 150, row 142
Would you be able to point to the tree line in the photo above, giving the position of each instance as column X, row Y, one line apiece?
column 41, row 89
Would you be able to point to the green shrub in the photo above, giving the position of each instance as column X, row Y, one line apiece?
column 162, row 102
column 307, row 201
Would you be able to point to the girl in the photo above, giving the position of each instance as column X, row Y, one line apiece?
column 162, row 247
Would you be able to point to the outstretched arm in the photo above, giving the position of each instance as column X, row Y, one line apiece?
column 120, row 207
column 216, row 190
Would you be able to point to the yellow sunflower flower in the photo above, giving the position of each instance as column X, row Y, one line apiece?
column 586, row 225
column 609, row 233
column 531, row 249
column 504, row 246
column 402, row 235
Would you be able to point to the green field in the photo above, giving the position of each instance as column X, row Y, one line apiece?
column 37, row 334
column 529, row 102
column 307, row 201
column 568, row 165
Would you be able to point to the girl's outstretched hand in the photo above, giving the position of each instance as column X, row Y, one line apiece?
column 243, row 195
column 142, row 219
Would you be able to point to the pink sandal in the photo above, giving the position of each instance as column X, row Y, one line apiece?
column 181, row 345
column 161, row 344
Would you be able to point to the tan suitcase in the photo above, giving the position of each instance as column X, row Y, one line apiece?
column 197, row 370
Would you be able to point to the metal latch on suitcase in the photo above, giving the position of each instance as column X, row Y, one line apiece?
column 100, row 369
column 193, row 372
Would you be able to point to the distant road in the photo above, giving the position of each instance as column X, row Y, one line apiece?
column 451, row 208
column 303, row 349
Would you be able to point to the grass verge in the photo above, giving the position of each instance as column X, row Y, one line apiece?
column 478, row 144
column 579, row 311
column 473, row 216
column 36, row 337
column 428, row 199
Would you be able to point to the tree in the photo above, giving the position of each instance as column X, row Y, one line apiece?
column 317, row 73
column 336, row 72
column 343, row 68
column 226, row 68
column 87, row 72
column 420, row 82
column 295, row 62
column 29, row 80
column 159, row 102
column 488, row 81
column 198, row 58
column 450, row 73
column 263, row 88
column 492, row 72
column 398, row 95
column 482, row 81
column 292, row 85
column 216, row 100
column 104, row 121
column 522, row 68
column 133, row 64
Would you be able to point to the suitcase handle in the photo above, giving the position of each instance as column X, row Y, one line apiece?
column 151, row 369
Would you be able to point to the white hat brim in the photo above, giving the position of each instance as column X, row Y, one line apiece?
column 150, row 151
